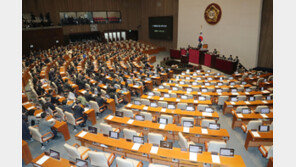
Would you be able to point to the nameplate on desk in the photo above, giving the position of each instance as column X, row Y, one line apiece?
column 82, row 134
column 264, row 115
column 161, row 126
column 129, row 105
column 233, row 103
column 216, row 159
column 234, row 93
column 177, row 84
column 163, row 110
column 247, row 102
column 240, row 115
column 136, row 146
column 265, row 102
column 105, row 87
column 178, row 100
column 42, row 159
column 247, row 93
column 186, row 129
column 130, row 121
column 206, row 114
column 145, row 108
column 110, row 117
column 195, row 101
column 161, row 98
column 199, row 93
column 192, row 156
column 170, row 91
column 154, row 150
column 204, row 131
column 149, row 97
column 83, row 92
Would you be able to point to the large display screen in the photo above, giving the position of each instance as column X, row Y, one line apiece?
column 161, row 28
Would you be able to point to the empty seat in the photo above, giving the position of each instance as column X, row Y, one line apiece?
column 147, row 116
column 76, row 151
column 145, row 102
column 258, row 97
column 102, row 159
column 206, row 122
column 128, row 113
column 155, row 138
column 105, row 128
column 254, row 124
column 162, row 104
column 183, row 141
column 168, row 117
column 129, row 134
column 127, row 162
column 202, row 107
column 182, row 106
column 241, row 98
column 187, row 119
column 266, row 151
column 214, row 146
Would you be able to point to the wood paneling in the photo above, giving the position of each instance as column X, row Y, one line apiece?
column 265, row 57
column 159, row 8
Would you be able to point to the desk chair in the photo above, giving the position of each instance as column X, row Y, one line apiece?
column 157, row 165
column 118, row 100
column 36, row 135
column 243, row 77
column 148, row 116
column 202, row 107
column 183, row 142
column 129, row 81
column 258, row 97
column 214, row 146
column 208, row 97
column 76, row 151
column 155, row 138
column 221, row 100
column 168, row 117
column 258, row 81
column 259, row 108
column 105, row 128
column 270, row 78
column 129, row 134
column 254, row 124
column 98, row 109
column 145, row 102
column 173, row 95
column 162, row 104
column 87, row 86
column 239, row 109
column 187, row 119
column 195, row 90
column 103, row 92
column 42, row 100
column 128, row 113
column 117, row 86
column 102, row 159
column 266, row 151
column 253, row 88
column 60, row 114
column 242, row 98
column 156, row 93
column 206, row 122
column 166, row 86
column 182, row 106
column 71, row 120
column 127, row 162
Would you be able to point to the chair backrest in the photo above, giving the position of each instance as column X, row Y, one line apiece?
column 182, row 141
column 87, row 86
column 145, row 102
column 105, row 128
column 259, row 108
column 128, row 113
column 168, row 117
column 60, row 113
column 157, row 165
column 206, row 122
column 123, row 162
column 208, row 97
column 36, row 135
column 173, row 95
column 225, row 89
column 94, row 105
column 128, row 133
column 72, row 151
column 202, row 107
column 259, row 81
column 98, row 159
column 147, row 115
column 270, row 78
column 70, row 118
column 129, row 81
column 214, row 146
column 240, row 89
column 241, row 98
column 254, row 124
column 222, row 99
column 155, row 138
column 258, row 97
column 103, row 92
column 240, row 108
column 163, row 104
column 270, row 152
column 186, row 119
column 182, row 106
column 117, row 86
column 157, row 93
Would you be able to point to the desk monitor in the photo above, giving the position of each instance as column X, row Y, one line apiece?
column 251, row 98
column 189, row 89
column 244, row 83
column 264, row 111
column 214, row 126
column 184, row 97
column 153, row 104
column 150, row 94
column 263, row 128
column 218, row 74
column 148, row 79
column 195, row 148
column 137, row 102
column 232, row 83
column 188, row 78
column 198, row 78
column 209, row 110
column 175, row 88
column 182, row 82
column 201, row 98
column 207, row 83
column 206, row 74
column 190, row 108
column 166, row 95
column 92, row 129
column 210, row 79
column 227, row 152
column 262, row 88
column 220, row 83
column 208, row 71
column 188, row 123
column 233, row 90
column 234, row 99
column 246, row 111
column 204, row 90
column 81, row 163
column 163, row 121
column 221, row 78
column 171, row 106
column 268, row 97
column 219, row 90
column 166, row 144
column 107, row 96
column 194, row 83
column 138, row 139
column 251, row 76
column 139, row 117
column 230, row 78
column 114, row 135
column 119, row 113
column 248, row 90
column 54, row 154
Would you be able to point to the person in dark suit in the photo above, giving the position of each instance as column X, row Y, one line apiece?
column 100, row 100
column 65, row 107
column 78, row 112
column 88, row 96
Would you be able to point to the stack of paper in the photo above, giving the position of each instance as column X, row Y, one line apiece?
column 42, row 159
column 136, row 146
column 216, row 159
column 233, row 103
column 240, row 115
column 264, row 101
column 154, row 150
column 247, row 93
column 161, row 98
column 83, row 133
column 195, row 101
column 163, row 110
column 204, row 131
column 130, row 121
column 177, row 100
column 110, row 117
column 192, row 156
column 186, row 129
column 149, row 97
column 264, row 115
column 247, row 102
column 161, row 126
column 145, row 108
column 255, row 134
column 129, row 105
column 206, row 114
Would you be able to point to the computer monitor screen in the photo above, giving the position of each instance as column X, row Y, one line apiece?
column 81, row 163
column 264, row 111
column 201, row 98
column 218, row 74
column 248, row 90
column 182, row 82
column 209, row 110
column 190, row 108
column 230, row 78
column 188, row 78
column 263, row 128
column 214, row 126
column 171, row 106
column 114, row 135
column 268, row 97
column 175, row 88
column 187, row 123
column 262, row 88
column 137, row 102
column 138, row 139
column 234, row 99
column 153, row 104
column 233, row 90
column 166, row 144
column 204, row 90
column 184, row 97
column 226, row 152
column 210, row 79
column 231, row 83
column 195, row 148
column 161, row 87
column 139, row 117
column 244, row 83
column 251, row 98
column 163, row 121
column 221, row 78
column 207, row 83
column 208, row 71
column 219, row 90
column 54, row 154
column 166, row 95
column 246, row 111
column 150, row 94
column 92, row 129
column 189, row 89
column 220, row 83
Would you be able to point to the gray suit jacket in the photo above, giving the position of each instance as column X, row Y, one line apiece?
column 44, row 126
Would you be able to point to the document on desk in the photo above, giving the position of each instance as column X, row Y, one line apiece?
column 170, row 91
column 149, row 97
column 42, row 160
column 192, row 156
column 136, row 146
column 145, row 108
column 247, row 93
column 30, row 108
column 83, row 92
column 264, row 101
column 255, row 134
column 154, row 150
column 161, row 98
column 130, row 121
column 85, row 109
column 51, row 120
column 105, row 87
column 186, row 129
column 163, row 110
column 265, row 91
column 240, row 115
column 110, row 117
column 204, row 131
column 178, row 100
column 129, row 105
column 26, row 103
column 206, row 114
column 195, row 101
column 216, row 159
column 161, row 126
column 247, row 102
column 233, row 103
column 234, row 93
column 199, row 93
column 83, row 133
column 264, row 115
column 219, row 94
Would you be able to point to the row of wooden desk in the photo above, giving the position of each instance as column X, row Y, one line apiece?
column 228, row 106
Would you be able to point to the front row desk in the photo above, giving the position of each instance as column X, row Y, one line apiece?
column 154, row 154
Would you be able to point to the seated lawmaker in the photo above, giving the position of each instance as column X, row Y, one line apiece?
column 79, row 112
column 230, row 58
column 46, row 126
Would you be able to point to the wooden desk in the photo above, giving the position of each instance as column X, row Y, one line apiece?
column 91, row 116
column 139, row 89
column 111, row 105
column 204, row 86
column 163, row 156
column 170, row 130
column 238, row 119
column 270, row 162
column 63, row 128
column 192, row 80
column 26, row 153
column 176, row 100
column 228, row 106
column 51, row 162
column 266, row 139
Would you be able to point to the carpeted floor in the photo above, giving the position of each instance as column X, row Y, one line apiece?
column 252, row 157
